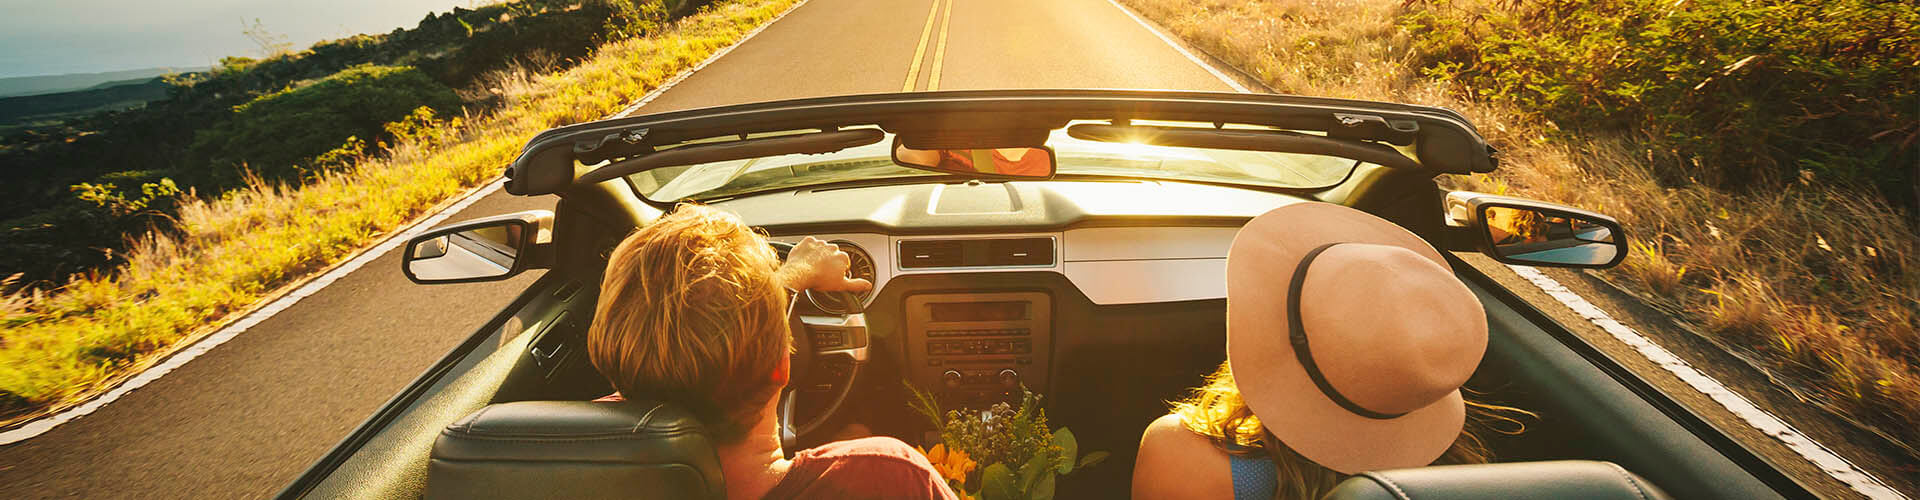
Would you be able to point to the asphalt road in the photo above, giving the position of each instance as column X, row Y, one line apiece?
column 249, row 416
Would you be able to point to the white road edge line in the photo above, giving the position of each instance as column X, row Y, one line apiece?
column 1859, row 480
column 1839, row 468
column 1237, row 87
column 180, row 358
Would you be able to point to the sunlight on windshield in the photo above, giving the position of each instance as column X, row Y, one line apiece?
column 1077, row 159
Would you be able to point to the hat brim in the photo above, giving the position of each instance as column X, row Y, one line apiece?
column 1270, row 377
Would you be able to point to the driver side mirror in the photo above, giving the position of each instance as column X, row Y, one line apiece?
column 1533, row 233
column 487, row 249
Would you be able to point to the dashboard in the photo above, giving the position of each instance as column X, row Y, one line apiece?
column 978, row 344
column 1112, row 265
column 977, row 286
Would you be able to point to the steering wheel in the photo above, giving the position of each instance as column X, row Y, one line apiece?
column 828, row 353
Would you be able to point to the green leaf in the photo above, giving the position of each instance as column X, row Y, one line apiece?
column 997, row 483
column 1032, row 470
column 1069, row 448
column 1042, row 490
column 1091, row 459
column 925, row 404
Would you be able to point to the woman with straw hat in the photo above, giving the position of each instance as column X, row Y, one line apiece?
column 1348, row 340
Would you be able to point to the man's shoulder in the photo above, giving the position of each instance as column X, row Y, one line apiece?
column 879, row 448
column 873, row 467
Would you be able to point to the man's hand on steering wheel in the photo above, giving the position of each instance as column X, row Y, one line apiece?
column 817, row 265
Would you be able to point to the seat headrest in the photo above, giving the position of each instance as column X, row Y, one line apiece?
column 1570, row 479
column 575, row 449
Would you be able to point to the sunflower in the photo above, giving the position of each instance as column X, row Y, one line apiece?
column 952, row 464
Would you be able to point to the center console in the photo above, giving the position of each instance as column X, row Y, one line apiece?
column 975, row 349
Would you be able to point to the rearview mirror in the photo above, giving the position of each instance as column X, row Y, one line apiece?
column 1532, row 233
column 992, row 163
column 487, row 249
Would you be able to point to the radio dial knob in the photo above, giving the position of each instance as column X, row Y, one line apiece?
column 952, row 378
column 1009, row 378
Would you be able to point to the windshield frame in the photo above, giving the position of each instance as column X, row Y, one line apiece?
column 1439, row 140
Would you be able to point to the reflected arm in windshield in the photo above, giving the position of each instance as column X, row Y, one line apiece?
column 1277, row 141
column 814, row 143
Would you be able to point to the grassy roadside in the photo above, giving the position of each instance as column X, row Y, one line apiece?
column 62, row 347
column 1818, row 283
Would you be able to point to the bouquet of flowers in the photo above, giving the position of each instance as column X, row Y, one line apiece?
column 1023, row 457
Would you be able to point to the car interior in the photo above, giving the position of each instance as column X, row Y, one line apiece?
column 1103, row 295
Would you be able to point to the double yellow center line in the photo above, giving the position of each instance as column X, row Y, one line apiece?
column 939, row 51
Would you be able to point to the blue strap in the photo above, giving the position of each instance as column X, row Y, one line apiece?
column 1254, row 478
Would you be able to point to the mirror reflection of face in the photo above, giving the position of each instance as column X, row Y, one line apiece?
column 1510, row 226
column 1012, row 162
column 1530, row 236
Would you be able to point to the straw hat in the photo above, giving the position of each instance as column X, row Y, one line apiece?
column 1368, row 375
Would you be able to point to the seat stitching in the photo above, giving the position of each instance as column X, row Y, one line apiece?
column 472, row 422
column 1397, row 492
column 646, row 418
column 1629, row 478
column 615, row 433
column 575, row 437
column 546, row 440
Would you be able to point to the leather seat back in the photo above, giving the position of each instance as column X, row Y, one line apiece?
column 1568, row 479
column 575, row 449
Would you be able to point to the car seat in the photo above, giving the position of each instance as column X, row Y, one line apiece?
column 576, row 449
column 1565, row 479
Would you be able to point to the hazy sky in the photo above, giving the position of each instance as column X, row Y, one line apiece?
column 86, row 36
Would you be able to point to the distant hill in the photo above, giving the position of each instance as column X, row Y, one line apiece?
column 49, row 84
column 273, row 118
column 28, row 110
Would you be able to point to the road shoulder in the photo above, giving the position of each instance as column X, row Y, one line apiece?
column 1854, row 445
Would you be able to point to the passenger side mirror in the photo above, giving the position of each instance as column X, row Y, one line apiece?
column 991, row 163
column 1533, row 233
column 487, row 249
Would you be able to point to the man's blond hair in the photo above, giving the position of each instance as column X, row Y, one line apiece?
column 689, row 313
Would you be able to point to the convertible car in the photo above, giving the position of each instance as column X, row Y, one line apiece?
column 1071, row 242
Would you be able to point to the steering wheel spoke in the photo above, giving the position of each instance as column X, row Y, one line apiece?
column 838, row 347
column 828, row 354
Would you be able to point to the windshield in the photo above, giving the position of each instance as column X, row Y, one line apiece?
column 1075, row 157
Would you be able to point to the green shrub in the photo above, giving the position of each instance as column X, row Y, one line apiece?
column 278, row 133
column 126, row 203
column 1739, row 93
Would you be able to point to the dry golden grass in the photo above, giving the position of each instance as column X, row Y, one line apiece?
column 1819, row 283
column 230, row 252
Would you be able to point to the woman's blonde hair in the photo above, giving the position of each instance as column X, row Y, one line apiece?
column 689, row 313
column 1215, row 410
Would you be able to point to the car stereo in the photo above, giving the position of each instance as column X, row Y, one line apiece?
column 975, row 349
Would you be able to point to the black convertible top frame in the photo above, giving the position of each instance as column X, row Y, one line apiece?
column 1442, row 140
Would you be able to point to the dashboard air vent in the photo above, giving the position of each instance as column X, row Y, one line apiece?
column 1020, row 252
column 985, row 252
column 917, row 254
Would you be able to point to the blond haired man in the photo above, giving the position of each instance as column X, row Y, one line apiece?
column 693, row 310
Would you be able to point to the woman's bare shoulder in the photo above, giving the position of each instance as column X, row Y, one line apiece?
column 1176, row 463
